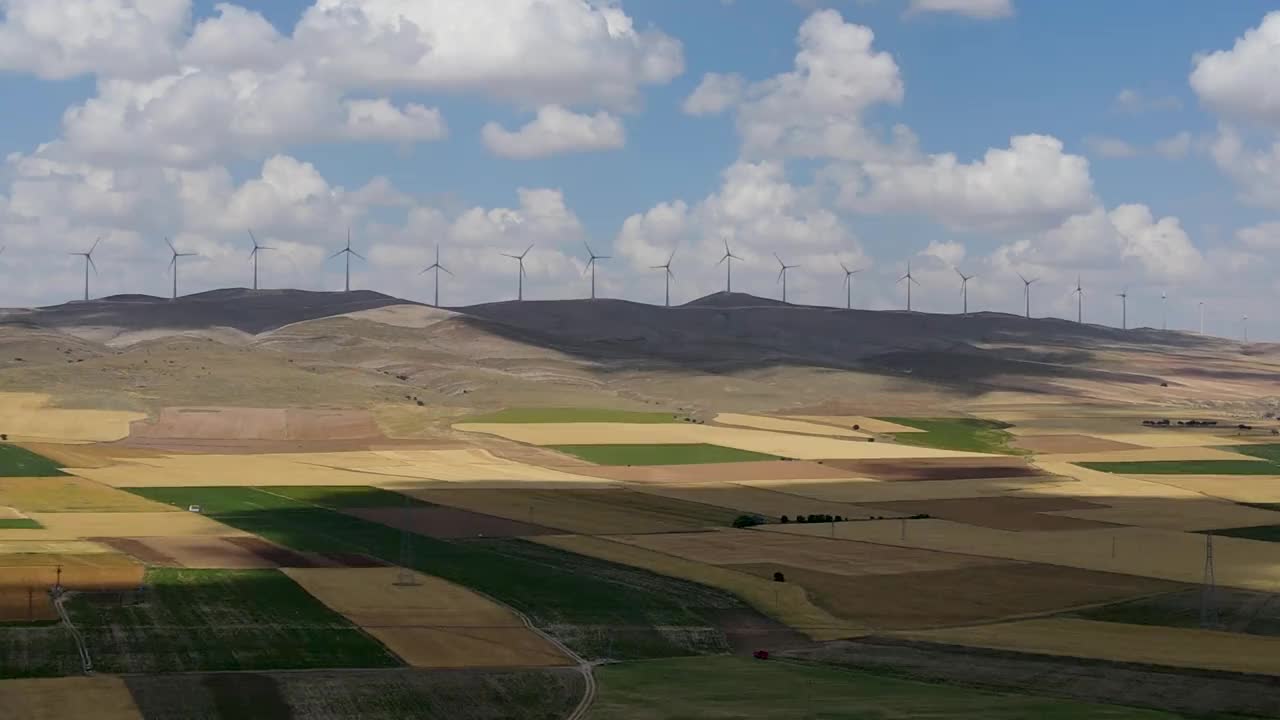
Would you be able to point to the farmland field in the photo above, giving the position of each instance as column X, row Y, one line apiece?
column 692, row 454
column 732, row 687
column 19, row 524
column 219, row 620
column 572, row 415
column 39, row 649
column 965, row 434
column 101, row 698
column 1267, row 451
column 340, row 497
column 1243, row 611
column 1265, row 533
column 1186, row 467
column 70, row 494
column 19, row 462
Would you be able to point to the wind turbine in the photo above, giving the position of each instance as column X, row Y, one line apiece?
column 88, row 262
column 1079, row 293
column 437, row 267
column 520, row 281
column 1164, row 311
column 348, row 252
column 964, row 289
column 591, row 265
column 782, row 275
column 1201, row 317
column 173, row 265
column 1245, row 323
column 909, row 280
column 1124, row 308
column 668, row 274
column 1026, row 292
column 253, row 255
column 729, row 257
column 848, row 285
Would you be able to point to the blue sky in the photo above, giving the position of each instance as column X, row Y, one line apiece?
column 1129, row 177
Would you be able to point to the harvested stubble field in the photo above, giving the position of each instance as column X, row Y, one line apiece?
column 1250, row 489
column 70, row 494
column 733, row 687
column 395, row 694
column 678, row 454
column 788, row 425
column 219, row 620
column 767, row 503
column 926, row 469
column 574, row 415
column 587, row 512
column 1008, row 512
column 1177, row 513
column 1055, row 444
column 719, row 472
column 96, row 571
column 1144, row 552
column 598, row 608
column 29, row 417
column 72, row 698
column 940, row 598
column 875, row 426
column 244, row 423
column 1150, row 645
column 72, row 526
column 802, row 447
column 433, row 623
column 89, row 455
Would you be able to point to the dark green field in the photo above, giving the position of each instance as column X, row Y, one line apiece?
column 17, row 462
column 963, row 434
column 1243, row 611
column 674, row 454
column 1185, row 467
column 734, row 687
column 220, row 620
column 19, row 524
column 1266, row 533
column 1267, row 451
column 600, row 609
column 37, row 650
column 342, row 497
column 572, row 415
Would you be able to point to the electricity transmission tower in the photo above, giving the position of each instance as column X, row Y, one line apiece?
column 1208, row 613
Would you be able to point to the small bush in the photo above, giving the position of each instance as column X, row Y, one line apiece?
column 745, row 521
column 784, row 520
column 779, row 577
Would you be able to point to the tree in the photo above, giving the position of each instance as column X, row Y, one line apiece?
column 785, row 520
column 779, row 577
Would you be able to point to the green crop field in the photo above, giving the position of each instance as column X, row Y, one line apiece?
column 37, row 650
column 340, row 497
column 660, row 454
column 1266, row 533
column 600, row 609
column 19, row 462
column 734, row 687
column 963, row 434
column 1185, row 467
column 220, row 620
column 19, row 524
column 1268, row 451
column 1243, row 611
column 572, row 415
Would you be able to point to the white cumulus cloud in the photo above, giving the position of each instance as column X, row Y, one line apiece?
column 982, row 9
column 554, row 131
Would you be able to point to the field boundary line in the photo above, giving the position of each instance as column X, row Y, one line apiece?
column 86, row 663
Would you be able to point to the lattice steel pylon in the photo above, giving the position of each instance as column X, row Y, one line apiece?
column 405, row 576
column 1208, row 613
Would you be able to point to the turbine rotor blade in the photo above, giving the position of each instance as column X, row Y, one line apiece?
column 353, row 252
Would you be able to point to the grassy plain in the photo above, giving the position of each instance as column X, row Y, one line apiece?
column 733, row 687
column 572, row 415
column 963, row 434
column 20, row 462
column 694, row 454
column 1186, row 467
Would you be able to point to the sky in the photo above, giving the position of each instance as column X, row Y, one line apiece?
column 1131, row 147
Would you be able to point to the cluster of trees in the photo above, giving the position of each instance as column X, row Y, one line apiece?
column 814, row 518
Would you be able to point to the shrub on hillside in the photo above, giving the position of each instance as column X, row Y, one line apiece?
column 745, row 521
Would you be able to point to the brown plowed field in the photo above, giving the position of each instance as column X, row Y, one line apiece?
column 212, row 552
column 1048, row 444
column 761, row 501
column 938, row 469
column 26, row 605
column 449, row 523
column 1004, row 512
column 975, row 594
column 719, row 472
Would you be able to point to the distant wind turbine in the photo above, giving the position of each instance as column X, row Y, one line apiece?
column 437, row 267
column 848, row 285
column 1124, row 308
column 1244, row 321
column 910, row 280
column 346, row 287
column 253, row 255
column 668, row 275
column 173, row 264
column 729, row 257
column 520, row 278
column 591, row 265
column 1164, row 311
column 964, row 289
column 88, row 262
column 1079, row 293
column 1201, row 317
column 1026, row 292
column 782, row 275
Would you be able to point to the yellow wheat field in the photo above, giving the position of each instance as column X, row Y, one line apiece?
column 71, row 494
column 28, row 416
column 785, row 602
column 1173, row 439
column 1190, row 514
column 72, row 526
column 865, row 424
column 788, row 425
column 1150, row 454
column 1091, row 484
column 97, row 571
column 1164, row 554
column 431, row 624
column 1236, row 488
column 802, row 447
column 1147, row 644
column 74, row 698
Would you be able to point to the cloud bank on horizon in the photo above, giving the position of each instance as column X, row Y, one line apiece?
column 947, row 133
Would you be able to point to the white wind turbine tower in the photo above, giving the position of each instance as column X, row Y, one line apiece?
column 1244, row 322
column 1026, row 292
column 88, row 262
column 173, row 264
column 964, row 289
column 591, row 265
column 848, row 285
column 668, row 275
column 1079, row 293
column 1124, row 308
column 729, row 257
column 1164, row 311
column 1201, row 317
column 910, row 280
column 520, row 278
column 253, row 255
column 346, row 287
column 437, row 267
column 782, row 275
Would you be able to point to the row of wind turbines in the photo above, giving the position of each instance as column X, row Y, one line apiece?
column 594, row 259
